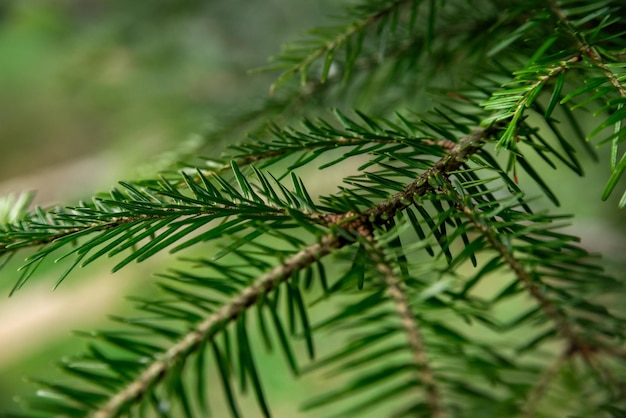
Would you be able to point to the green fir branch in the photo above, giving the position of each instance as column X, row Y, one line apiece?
column 178, row 352
column 520, row 94
column 349, row 223
column 298, row 58
column 411, row 328
column 577, row 342
column 447, row 292
column 590, row 45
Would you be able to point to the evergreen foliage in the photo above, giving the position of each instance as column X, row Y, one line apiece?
column 418, row 259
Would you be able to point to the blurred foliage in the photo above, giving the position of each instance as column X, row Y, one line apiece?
column 79, row 77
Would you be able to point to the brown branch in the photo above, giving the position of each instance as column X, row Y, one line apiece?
column 247, row 297
column 563, row 326
column 411, row 329
column 241, row 161
column 577, row 344
column 453, row 160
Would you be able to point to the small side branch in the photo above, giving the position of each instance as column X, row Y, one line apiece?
column 229, row 312
column 336, row 42
column 11, row 244
column 411, row 329
column 576, row 344
column 452, row 161
column 562, row 325
column 587, row 49
column 11, row 241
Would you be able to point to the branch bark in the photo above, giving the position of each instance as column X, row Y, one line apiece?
column 411, row 329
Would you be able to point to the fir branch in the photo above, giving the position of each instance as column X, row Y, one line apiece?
column 177, row 353
column 432, row 175
column 456, row 155
column 281, row 149
column 594, row 52
column 162, row 207
column 164, row 213
column 321, row 138
column 563, row 326
column 14, row 241
column 411, row 328
column 317, row 139
column 331, row 45
column 510, row 103
column 586, row 48
column 348, row 222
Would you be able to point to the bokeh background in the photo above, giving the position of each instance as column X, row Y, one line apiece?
column 92, row 92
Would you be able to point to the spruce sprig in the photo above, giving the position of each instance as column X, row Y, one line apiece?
column 447, row 291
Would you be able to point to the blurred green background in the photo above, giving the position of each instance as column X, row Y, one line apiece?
column 126, row 80
column 92, row 92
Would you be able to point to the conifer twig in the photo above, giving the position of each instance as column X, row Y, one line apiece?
column 456, row 155
column 563, row 326
column 411, row 329
column 452, row 161
column 576, row 343
column 431, row 174
column 10, row 246
column 586, row 48
column 336, row 42
column 157, row 370
column 230, row 311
